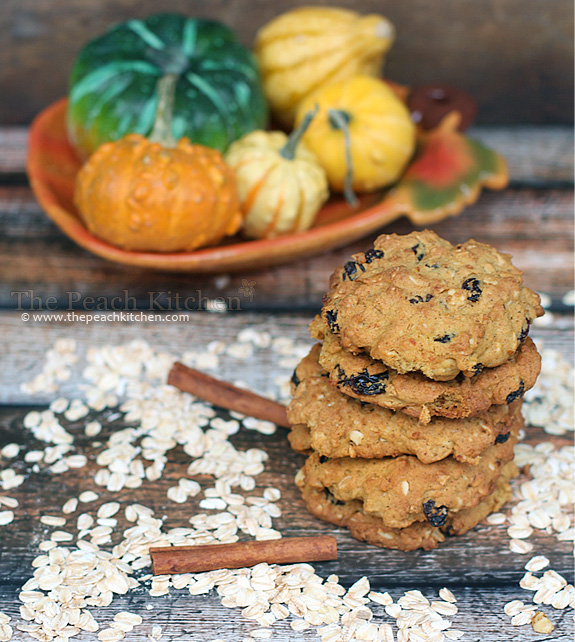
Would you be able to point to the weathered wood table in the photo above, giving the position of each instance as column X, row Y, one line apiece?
column 532, row 219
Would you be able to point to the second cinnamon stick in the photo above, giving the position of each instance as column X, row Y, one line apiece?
column 224, row 394
column 169, row 560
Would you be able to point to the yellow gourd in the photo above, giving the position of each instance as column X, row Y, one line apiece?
column 280, row 182
column 302, row 49
column 363, row 135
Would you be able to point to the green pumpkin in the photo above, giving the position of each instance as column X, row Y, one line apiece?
column 113, row 86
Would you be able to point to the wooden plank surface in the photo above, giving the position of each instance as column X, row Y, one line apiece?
column 535, row 226
column 23, row 343
column 478, row 558
column 515, row 55
column 532, row 220
column 478, row 567
column 537, row 156
column 13, row 146
column 198, row 619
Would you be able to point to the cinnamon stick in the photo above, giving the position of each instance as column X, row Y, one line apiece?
column 197, row 559
column 223, row 394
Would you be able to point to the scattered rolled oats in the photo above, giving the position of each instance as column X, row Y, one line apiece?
column 569, row 298
column 57, row 362
column 88, row 496
column 541, row 623
column 213, row 504
column 516, row 532
column 131, row 619
column 59, row 405
column 537, row 563
column 446, row 595
column 520, row 546
column 513, row 607
column 156, row 633
column 9, row 479
column 384, row 599
column 131, row 378
column 110, row 635
column 521, row 618
column 108, row 510
column 549, row 403
column 444, row 608
column 9, row 451
column 53, row 520
column 93, row 428
column 6, row 516
column 61, row 536
column 177, row 494
column 496, row 519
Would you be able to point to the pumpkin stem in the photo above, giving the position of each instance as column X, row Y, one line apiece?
column 339, row 119
column 288, row 150
column 162, row 130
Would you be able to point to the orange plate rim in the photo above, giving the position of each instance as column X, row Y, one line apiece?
column 372, row 214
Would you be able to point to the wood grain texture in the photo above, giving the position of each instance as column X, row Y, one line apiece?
column 518, row 54
column 23, row 344
column 480, row 559
column 537, row 156
column 183, row 618
column 478, row 567
column 535, row 226
column 13, row 145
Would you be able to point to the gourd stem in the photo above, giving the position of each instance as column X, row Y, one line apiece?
column 162, row 130
column 288, row 150
column 339, row 119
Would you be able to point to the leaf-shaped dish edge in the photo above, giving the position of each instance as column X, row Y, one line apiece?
column 52, row 167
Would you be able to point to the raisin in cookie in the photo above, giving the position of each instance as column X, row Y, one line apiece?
column 371, row 529
column 335, row 425
column 359, row 376
column 403, row 490
column 418, row 303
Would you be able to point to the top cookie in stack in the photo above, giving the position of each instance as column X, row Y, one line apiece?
column 442, row 313
column 418, row 303
column 423, row 363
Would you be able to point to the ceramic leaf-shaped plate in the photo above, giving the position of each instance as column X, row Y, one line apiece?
column 447, row 173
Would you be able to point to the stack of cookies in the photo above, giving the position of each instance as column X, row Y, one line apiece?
column 410, row 406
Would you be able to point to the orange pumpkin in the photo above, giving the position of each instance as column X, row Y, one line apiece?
column 144, row 195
